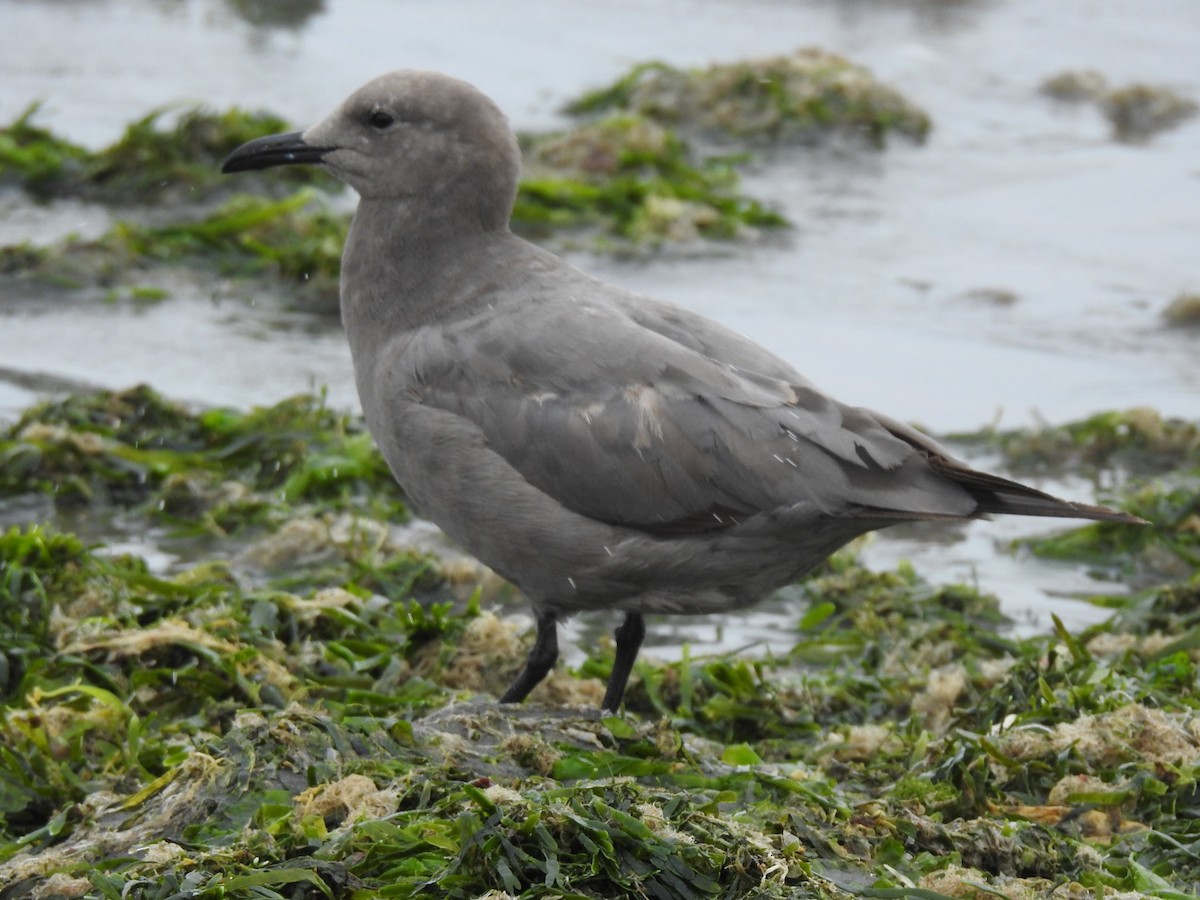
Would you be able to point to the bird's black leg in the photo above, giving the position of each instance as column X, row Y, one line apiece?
column 542, row 658
column 629, row 641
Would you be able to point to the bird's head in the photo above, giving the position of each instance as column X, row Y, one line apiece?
column 417, row 137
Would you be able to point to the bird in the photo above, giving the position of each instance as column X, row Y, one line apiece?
column 598, row 449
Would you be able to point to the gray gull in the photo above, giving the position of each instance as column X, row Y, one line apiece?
column 598, row 449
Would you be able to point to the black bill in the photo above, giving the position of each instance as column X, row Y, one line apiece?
column 275, row 150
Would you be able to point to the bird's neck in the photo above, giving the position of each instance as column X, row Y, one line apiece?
column 405, row 266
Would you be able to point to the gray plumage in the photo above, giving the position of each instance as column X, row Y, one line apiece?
column 596, row 448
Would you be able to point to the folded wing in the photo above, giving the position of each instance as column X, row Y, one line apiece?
column 645, row 431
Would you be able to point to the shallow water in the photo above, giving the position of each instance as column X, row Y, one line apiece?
column 876, row 295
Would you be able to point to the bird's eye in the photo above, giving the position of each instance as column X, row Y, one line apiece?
column 380, row 120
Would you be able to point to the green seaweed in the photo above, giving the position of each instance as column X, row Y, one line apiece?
column 628, row 179
column 134, row 448
column 34, row 157
column 1139, row 111
column 148, row 163
column 653, row 196
column 263, row 720
column 133, row 666
column 1136, row 111
column 1139, row 440
column 296, row 238
column 649, row 198
column 634, row 180
column 1169, row 546
column 1163, row 457
column 806, row 97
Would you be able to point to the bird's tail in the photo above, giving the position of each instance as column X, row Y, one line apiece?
column 1000, row 495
